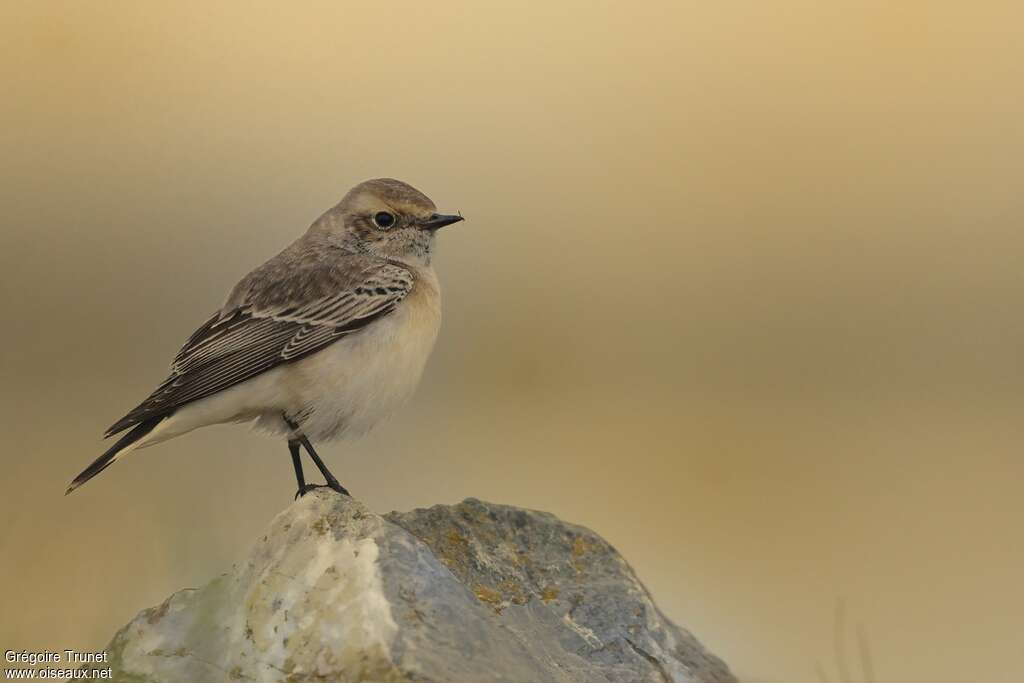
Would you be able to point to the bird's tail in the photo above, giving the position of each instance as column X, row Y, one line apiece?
column 114, row 452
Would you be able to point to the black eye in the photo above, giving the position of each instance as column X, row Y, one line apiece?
column 383, row 220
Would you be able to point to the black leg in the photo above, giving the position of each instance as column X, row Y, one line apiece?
column 293, row 448
column 331, row 481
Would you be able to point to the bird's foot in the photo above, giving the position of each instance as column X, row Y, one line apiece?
column 334, row 486
column 306, row 488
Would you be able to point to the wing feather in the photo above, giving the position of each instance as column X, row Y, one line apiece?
column 255, row 336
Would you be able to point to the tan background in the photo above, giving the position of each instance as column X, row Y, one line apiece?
column 740, row 289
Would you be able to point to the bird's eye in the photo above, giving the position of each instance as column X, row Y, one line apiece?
column 383, row 220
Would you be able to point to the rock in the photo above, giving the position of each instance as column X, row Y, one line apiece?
column 472, row 593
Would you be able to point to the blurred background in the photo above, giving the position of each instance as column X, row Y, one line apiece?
column 739, row 289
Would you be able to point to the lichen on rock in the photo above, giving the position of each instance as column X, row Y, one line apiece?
column 473, row 592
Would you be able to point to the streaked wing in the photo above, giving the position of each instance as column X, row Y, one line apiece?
column 254, row 337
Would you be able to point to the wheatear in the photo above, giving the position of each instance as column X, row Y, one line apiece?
column 325, row 339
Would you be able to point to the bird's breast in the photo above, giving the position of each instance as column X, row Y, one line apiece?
column 357, row 381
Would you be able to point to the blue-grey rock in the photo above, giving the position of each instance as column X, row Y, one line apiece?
column 473, row 593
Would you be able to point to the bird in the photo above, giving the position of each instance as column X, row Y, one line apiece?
column 323, row 340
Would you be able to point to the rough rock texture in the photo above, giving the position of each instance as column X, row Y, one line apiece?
column 469, row 593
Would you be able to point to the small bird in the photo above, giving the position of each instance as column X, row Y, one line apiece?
column 323, row 340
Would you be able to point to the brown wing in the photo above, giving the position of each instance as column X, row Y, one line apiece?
column 265, row 329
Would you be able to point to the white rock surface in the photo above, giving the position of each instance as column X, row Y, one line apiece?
column 468, row 593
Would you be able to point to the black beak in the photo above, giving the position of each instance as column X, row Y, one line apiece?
column 439, row 220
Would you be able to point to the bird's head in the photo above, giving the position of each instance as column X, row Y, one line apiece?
column 385, row 217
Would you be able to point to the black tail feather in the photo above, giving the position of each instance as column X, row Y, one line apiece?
column 101, row 463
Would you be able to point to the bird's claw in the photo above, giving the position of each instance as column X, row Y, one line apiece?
column 335, row 486
column 306, row 488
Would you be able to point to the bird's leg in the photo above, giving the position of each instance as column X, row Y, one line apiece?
column 331, row 480
column 293, row 448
